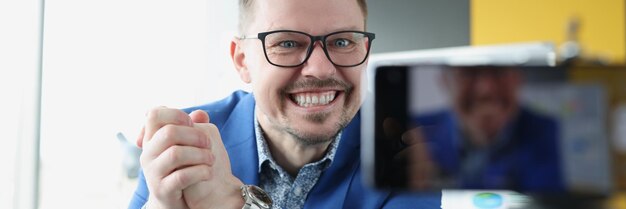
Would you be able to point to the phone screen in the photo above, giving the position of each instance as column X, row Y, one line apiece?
column 528, row 129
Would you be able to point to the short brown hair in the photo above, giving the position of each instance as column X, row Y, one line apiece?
column 245, row 11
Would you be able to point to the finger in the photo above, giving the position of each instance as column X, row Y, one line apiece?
column 179, row 157
column 415, row 153
column 160, row 116
column 170, row 135
column 212, row 132
column 413, row 136
column 217, row 145
column 139, row 141
column 183, row 178
column 199, row 116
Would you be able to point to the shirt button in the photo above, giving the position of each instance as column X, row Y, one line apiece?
column 297, row 191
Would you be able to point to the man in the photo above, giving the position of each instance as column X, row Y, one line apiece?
column 296, row 136
column 488, row 140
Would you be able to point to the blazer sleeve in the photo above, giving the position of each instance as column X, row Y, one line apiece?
column 140, row 197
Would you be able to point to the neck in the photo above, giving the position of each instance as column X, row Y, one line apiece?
column 288, row 152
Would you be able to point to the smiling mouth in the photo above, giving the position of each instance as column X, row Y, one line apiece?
column 312, row 99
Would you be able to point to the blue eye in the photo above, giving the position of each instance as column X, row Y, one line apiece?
column 288, row 44
column 341, row 43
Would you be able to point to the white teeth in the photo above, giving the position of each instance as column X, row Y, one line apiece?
column 314, row 99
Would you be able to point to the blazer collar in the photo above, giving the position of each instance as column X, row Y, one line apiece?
column 240, row 142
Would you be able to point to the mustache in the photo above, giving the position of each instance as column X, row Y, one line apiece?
column 316, row 83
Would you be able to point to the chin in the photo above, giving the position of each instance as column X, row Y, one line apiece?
column 317, row 129
column 312, row 137
column 313, row 126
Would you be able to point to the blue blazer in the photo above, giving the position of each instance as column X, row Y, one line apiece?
column 528, row 160
column 340, row 186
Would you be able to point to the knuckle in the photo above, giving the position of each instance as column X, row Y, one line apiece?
column 196, row 132
column 209, row 157
column 213, row 128
column 181, row 117
column 181, row 178
column 206, row 173
column 168, row 115
column 153, row 113
column 199, row 136
column 168, row 132
column 202, row 139
column 161, row 192
column 174, row 153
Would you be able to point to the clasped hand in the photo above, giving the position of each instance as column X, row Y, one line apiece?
column 185, row 163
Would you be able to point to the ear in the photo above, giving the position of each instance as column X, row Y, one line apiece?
column 238, row 56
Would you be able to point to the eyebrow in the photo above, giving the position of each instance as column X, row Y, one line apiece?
column 351, row 28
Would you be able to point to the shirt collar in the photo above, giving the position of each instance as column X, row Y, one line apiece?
column 265, row 155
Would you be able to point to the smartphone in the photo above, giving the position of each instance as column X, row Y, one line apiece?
column 537, row 130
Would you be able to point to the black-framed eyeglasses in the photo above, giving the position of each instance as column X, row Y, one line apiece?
column 288, row 48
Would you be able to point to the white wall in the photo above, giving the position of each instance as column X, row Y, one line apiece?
column 20, row 35
column 108, row 62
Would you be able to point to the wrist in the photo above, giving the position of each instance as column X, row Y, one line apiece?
column 154, row 203
column 234, row 193
column 151, row 205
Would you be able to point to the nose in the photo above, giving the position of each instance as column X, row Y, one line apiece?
column 485, row 85
column 318, row 65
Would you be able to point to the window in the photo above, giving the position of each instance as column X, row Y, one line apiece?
column 105, row 63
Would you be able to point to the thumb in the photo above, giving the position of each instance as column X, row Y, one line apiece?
column 199, row 116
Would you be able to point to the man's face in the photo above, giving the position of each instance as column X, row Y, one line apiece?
column 485, row 99
column 277, row 90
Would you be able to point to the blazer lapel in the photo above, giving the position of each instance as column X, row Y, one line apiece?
column 340, row 186
column 240, row 141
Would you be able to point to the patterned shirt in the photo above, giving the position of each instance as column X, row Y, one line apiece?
column 285, row 190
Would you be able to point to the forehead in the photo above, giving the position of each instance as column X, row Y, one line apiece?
column 313, row 17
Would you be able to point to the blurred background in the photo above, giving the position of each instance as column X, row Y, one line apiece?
column 103, row 64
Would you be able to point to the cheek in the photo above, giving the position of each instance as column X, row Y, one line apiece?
column 267, row 84
column 266, row 96
column 360, row 85
column 357, row 77
column 461, row 100
column 511, row 96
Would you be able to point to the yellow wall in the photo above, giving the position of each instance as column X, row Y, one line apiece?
column 602, row 29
